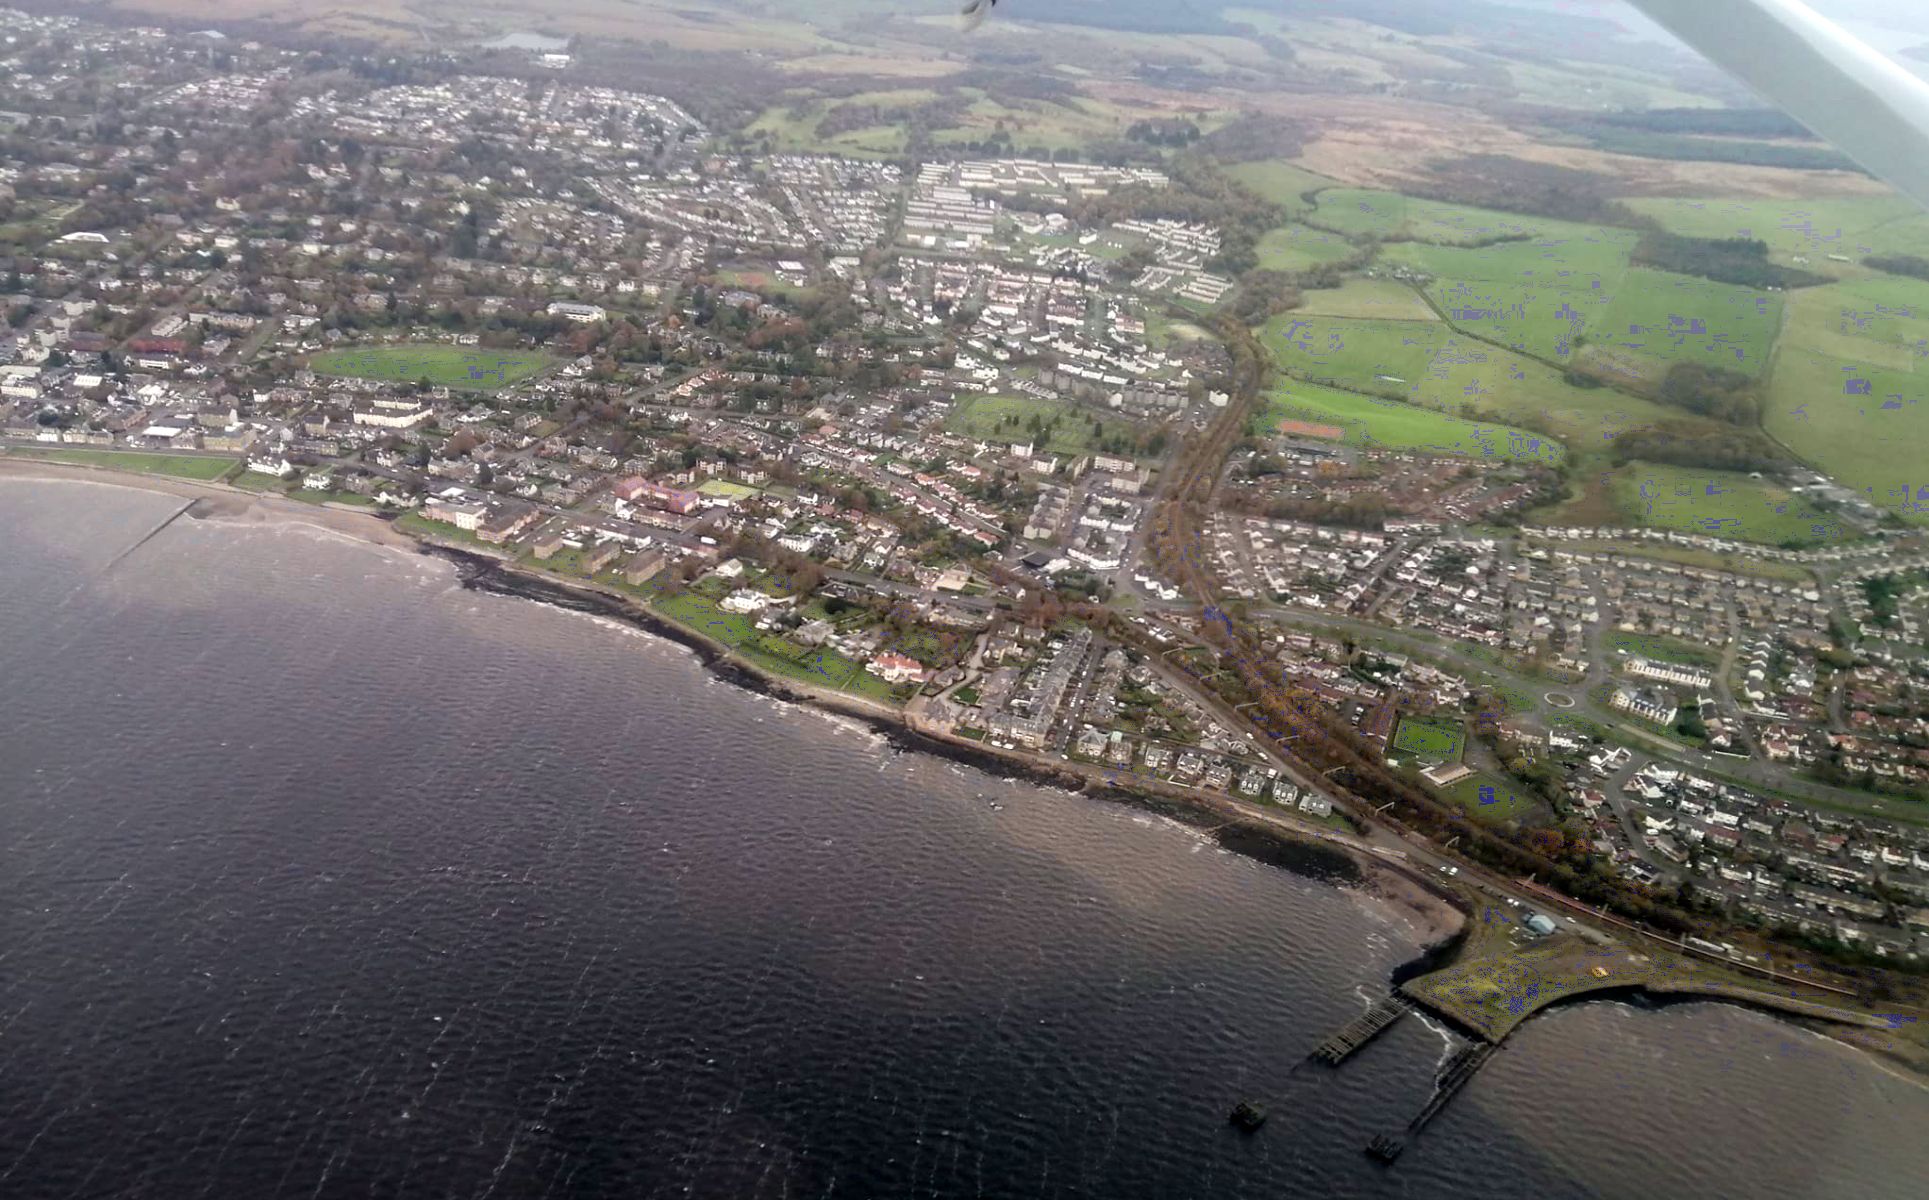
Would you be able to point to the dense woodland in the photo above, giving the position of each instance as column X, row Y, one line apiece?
column 1742, row 261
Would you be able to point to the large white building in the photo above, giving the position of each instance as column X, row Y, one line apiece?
column 393, row 412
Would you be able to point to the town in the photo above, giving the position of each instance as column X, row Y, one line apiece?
column 900, row 437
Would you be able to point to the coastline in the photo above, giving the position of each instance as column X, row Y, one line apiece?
column 1440, row 917
column 1274, row 839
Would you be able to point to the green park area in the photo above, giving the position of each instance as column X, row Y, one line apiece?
column 1051, row 426
column 179, row 466
column 1493, row 801
column 1436, row 739
column 459, row 367
column 779, row 656
column 1371, row 422
column 1726, row 504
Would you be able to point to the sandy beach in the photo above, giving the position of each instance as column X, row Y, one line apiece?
column 218, row 501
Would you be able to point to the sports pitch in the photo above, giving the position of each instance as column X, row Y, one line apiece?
column 1372, row 423
column 444, row 366
column 1431, row 737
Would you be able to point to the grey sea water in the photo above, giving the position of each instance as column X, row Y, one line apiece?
column 321, row 876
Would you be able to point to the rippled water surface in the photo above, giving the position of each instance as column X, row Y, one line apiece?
column 320, row 876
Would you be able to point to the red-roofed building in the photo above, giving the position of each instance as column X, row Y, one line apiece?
column 638, row 490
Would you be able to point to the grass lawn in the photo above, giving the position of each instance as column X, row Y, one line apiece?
column 445, row 366
column 1063, row 428
column 1721, row 504
column 1662, row 648
column 1369, row 421
column 180, row 466
column 1300, row 248
column 1384, row 299
column 1431, row 737
column 823, row 668
column 727, row 489
column 1494, row 802
column 416, row 523
column 1437, row 367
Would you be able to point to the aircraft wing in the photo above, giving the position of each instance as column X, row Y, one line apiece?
column 1869, row 106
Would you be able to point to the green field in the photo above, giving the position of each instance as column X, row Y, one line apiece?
column 1658, row 319
column 1850, row 226
column 1061, row 429
column 180, row 466
column 1558, row 255
column 823, row 668
column 1378, row 299
column 1301, row 248
column 1662, row 648
column 1373, row 423
column 727, row 489
column 1280, row 182
column 1435, row 366
column 444, row 366
column 1493, row 802
column 1721, row 504
column 1848, row 389
column 1360, row 212
column 1431, row 738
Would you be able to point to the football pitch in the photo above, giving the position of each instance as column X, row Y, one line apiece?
column 458, row 367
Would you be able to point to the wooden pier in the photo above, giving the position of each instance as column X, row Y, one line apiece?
column 1454, row 1076
column 1361, row 1030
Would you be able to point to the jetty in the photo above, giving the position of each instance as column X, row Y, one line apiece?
column 1362, row 1029
column 1454, row 1076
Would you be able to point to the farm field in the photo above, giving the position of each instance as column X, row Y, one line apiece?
column 1280, row 182
column 1559, row 255
column 1300, row 248
column 1882, row 321
column 1657, row 319
column 1866, row 427
column 1061, row 428
column 1392, row 216
column 1847, row 393
column 457, row 367
column 1388, row 424
column 1384, row 299
column 1431, row 738
column 1544, row 321
column 1851, row 226
column 1720, row 504
column 1437, row 367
